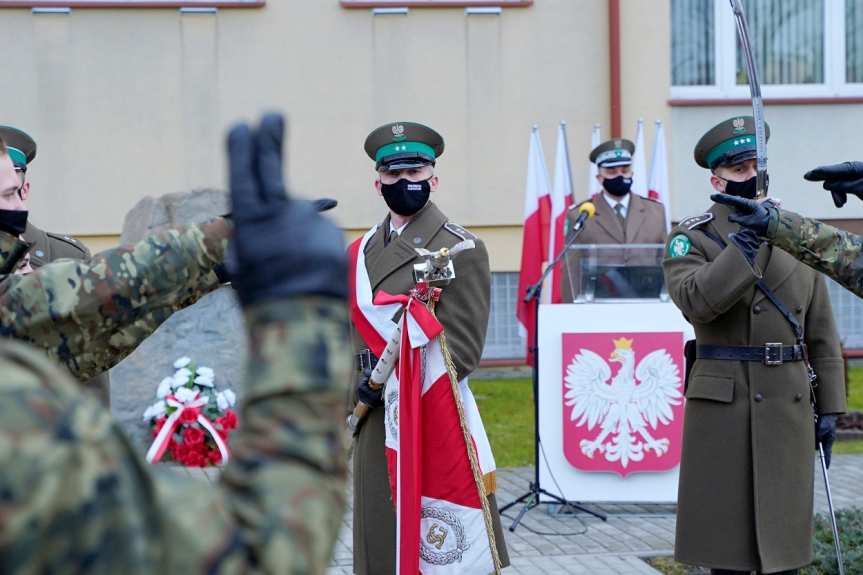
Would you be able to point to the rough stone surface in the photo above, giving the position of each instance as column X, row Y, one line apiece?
column 210, row 332
column 151, row 215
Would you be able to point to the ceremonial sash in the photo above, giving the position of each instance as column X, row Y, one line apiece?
column 436, row 447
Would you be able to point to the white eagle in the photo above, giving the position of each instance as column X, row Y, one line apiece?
column 634, row 398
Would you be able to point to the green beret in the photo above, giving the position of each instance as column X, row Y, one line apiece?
column 401, row 145
column 22, row 148
column 617, row 152
column 728, row 143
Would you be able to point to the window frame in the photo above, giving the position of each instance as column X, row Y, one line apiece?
column 725, row 87
column 435, row 3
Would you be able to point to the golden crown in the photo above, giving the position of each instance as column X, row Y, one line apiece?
column 622, row 343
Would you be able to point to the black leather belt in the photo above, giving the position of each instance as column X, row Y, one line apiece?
column 366, row 360
column 768, row 354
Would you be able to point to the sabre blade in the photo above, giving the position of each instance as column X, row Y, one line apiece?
column 755, row 95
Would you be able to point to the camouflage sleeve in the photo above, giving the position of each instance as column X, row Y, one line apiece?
column 829, row 250
column 76, row 496
column 90, row 315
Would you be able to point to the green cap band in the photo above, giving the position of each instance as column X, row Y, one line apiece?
column 729, row 146
column 19, row 158
column 404, row 148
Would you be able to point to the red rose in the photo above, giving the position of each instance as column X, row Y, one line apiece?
column 228, row 421
column 193, row 436
column 157, row 426
column 189, row 415
column 194, row 459
column 215, row 456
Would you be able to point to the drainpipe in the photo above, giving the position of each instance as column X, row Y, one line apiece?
column 614, row 65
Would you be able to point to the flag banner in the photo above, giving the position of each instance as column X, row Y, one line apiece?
column 561, row 201
column 534, row 247
column 593, row 185
column 658, row 189
column 438, row 455
column 639, row 163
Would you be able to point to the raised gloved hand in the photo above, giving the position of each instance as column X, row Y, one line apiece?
column 281, row 246
column 840, row 180
column 369, row 396
column 750, row 214
column 825, row 433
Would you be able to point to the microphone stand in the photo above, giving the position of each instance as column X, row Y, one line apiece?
column 532, row 497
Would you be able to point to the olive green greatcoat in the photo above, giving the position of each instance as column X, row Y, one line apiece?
column 746, row 474
column 463, row 310
column 645, row 224
column 48, row 247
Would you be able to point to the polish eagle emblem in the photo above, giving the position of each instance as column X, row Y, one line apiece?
column 628, row 407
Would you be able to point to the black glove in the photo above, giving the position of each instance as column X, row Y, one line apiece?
column 281, row 247
column 840, row 180
column 747, row 242
column 366, row 394
column 825, row 433
column 750, row 214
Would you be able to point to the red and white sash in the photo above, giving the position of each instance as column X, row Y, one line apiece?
column 442, row 525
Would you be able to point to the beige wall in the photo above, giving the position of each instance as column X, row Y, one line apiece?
column 129, row 103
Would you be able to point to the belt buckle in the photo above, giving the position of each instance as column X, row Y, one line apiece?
column 365, row 360
column 772, row 354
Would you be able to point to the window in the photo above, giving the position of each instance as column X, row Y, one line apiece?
column 433, row 3
column 803, row 48
column 502, row 341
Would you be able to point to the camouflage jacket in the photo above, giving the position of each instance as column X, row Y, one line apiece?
column 829, row 250
column 90, row 315
column 77, row 498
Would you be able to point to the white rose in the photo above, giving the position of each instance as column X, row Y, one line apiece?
column 164, row 387
column 185, row 395
column 182, row 362
column 156, row 410
column 206, row 372
column 225, row 399
column 181, row 377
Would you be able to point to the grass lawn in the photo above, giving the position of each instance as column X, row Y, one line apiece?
column 506, row 406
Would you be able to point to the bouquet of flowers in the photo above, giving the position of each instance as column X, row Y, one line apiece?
column 191, row 421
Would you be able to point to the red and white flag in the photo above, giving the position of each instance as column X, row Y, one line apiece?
column 437, row 450
column 639, row 163
column 659, row 174
column 534, row 247
column 561, row 200
column 593, row 185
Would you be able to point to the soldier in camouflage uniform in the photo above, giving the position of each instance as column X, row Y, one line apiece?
column 90, row 315
column 78, row 499
column 829, row 250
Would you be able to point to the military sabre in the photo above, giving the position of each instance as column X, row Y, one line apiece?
column 757, row 103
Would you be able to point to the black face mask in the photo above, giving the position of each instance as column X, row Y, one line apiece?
column 618, row 186
column 405, row 197
column 13, row 221
column 746, row 189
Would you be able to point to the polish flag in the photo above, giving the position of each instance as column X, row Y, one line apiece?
column 659, row 174
column 439, row 459
column 593, row 186
column 561, row 200
column 534, row 247
column 639, row 164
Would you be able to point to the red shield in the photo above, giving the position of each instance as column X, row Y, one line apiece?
column 623, row 401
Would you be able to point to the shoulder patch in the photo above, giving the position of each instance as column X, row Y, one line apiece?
column 679, row 246
column 693, row 222
column 459, row 231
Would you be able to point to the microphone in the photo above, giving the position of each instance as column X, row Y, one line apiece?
column 585, row 212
